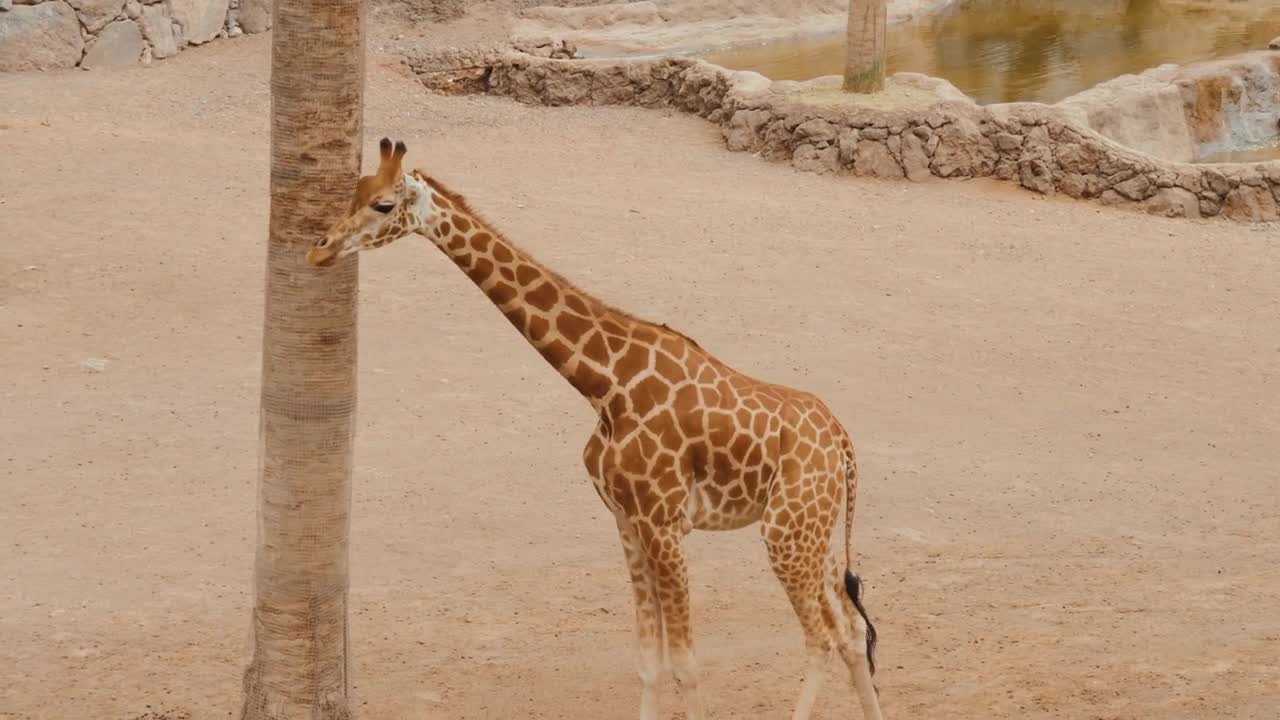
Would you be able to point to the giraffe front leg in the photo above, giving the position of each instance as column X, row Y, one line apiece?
column 649, row 633
column 662, row 546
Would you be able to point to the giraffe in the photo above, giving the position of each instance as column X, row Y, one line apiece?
column 683, row 440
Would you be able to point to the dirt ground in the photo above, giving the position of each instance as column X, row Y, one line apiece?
column 1066, row 416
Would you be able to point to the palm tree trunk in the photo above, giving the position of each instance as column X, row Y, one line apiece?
column 300, row 654
column 865, row 48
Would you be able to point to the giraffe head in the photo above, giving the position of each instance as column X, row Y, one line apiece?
column 386, row 206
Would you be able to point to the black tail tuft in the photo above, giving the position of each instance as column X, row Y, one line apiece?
column 853, row 586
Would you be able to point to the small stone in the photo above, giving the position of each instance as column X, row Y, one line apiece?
column 742, row 132
column 1137, row 187
column 6, row 5
column 811, row 158
column 875, row 133
column 915, row 161
column 1077, row 158
column 1209, row 206
column 119, row 44
column 1006, row 169
column 1274, row 44
column 1215, row 181
column 1111, row 197
column 1008, row 142
column 96, row 14
column 1252, row 178
column 94, row 364
column 817, row 131
column 157, row 28
column 133, row 9
column 235, row 31
column 1034, row 174
column 1073, row 185
column 848, row 142
column 255, row 15
column 1174, row 202
column 894, row 143
column 874, row 159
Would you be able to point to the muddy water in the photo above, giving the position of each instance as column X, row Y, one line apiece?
column 1261, row 153
column 1038, row 50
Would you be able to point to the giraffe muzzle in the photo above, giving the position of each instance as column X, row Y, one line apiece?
column 321, row 256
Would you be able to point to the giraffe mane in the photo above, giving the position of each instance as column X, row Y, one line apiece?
column 460, row 202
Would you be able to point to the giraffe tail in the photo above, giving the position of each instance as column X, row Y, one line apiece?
column 852, row 583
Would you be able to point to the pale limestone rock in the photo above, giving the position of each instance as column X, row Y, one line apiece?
column 743, row 129
column 157, row 28
column 810, row 158
column 1034, row 174
column 817, row 131
column 874, row 159
column 963, row 151
column 914, row 159
column 1173, row 202
column 1250, row 204
column 1215, row 181
column 1138, row 187
column 848, row 142
column 119, row 44
column 1008, row 142
column 40, row 37
column 201, row 20
column 95, row 14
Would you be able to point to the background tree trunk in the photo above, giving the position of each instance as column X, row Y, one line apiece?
column 300, row 655
column 865, row 46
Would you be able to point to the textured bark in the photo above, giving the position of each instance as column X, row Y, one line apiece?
column 300, row 657
column 865, row 50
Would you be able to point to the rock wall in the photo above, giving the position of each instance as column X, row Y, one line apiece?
column 52, row 34
column 813, row 126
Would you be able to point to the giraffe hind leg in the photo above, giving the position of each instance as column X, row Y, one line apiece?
column 854, row 635
column 797, row 560
column 853, row 587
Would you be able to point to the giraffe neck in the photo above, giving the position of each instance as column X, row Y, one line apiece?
column 565, row 325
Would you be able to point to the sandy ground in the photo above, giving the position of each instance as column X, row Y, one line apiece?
column 1066, row 417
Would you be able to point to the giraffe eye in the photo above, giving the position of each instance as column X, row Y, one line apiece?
column 384, row 206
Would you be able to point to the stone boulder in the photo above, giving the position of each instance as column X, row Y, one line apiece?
column 157, row 28
column 873, row 158
column 200, row 20
column 255, row 15
column 119, row 44
column 963, row 151
column 1251, row 204
column 95, row 14
column 40, row 37
column 1274, row 44
column 1174, row 202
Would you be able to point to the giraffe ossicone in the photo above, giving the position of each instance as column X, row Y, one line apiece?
column 683, row 440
